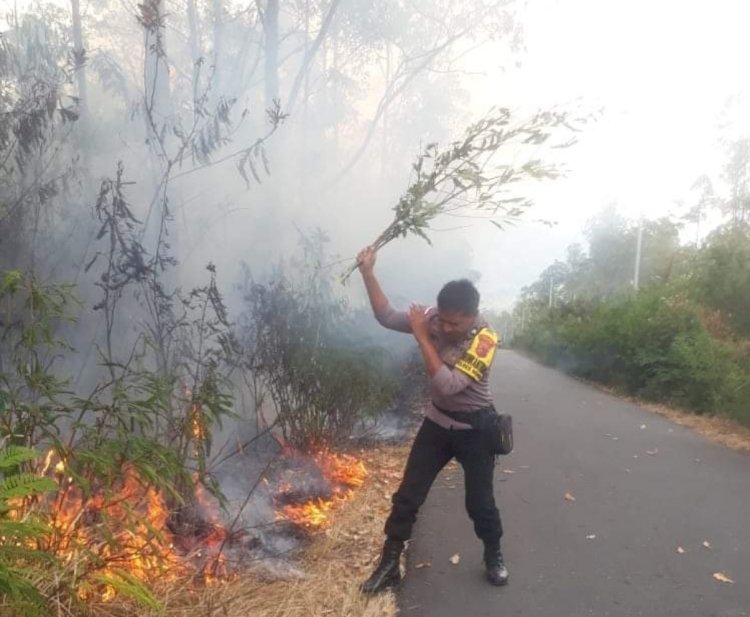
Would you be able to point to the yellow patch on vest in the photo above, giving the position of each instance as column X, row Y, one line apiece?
column 478, row 358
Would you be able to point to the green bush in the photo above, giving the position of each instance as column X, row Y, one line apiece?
column 136, row 423
column 321, row 378
column 302, row 344
column 722, row 279
column 697, row 372
column 649, row 345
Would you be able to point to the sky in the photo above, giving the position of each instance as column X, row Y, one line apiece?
column 663, row 72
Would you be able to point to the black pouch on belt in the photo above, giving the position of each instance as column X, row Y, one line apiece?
column 499, row 426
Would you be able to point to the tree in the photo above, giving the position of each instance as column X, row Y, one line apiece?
column 36, row 162
column 606, row 269
column 417, row 41
column 706, row 201
column 723, row 278
column 611, row 253
column 737, row 176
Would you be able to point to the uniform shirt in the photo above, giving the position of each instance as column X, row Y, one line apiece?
column 462, row 383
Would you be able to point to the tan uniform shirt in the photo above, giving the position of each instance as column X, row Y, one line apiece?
column 462, row 383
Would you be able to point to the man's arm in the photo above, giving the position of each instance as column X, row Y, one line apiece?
column 471, row 367
column 445, row 380
column 381, row 307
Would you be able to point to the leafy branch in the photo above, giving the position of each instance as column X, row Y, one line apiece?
column 467, row 175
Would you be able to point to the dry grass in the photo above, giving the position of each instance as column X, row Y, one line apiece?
column 334, row 563
column 718, row 429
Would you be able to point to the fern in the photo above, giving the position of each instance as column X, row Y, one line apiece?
column 21, row 530
column 12, row 456
column 19, row 595
column 24, row 485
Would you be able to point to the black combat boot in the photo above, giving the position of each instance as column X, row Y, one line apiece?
column 497, row 573
column 387, row 573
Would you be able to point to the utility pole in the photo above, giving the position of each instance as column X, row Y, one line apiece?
column 639, row 246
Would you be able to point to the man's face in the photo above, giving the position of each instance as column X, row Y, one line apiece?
column 454, row 325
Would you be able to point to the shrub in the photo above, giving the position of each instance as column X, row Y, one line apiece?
column 321, row 379
column 649, row 345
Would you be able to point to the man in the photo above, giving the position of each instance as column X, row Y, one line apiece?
column 457, row 347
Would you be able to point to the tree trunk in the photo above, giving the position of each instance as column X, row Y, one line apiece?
column 306, row 90
column 195, row 44
column 334, row 89
column 311, row 52
column 384, row 145
column 271, row 27
column 274, row 188
column 79, row 53
column 218, row 85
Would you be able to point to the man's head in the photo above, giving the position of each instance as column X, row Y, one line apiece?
column 458, row 303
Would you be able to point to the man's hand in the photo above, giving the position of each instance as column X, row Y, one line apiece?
column 419, row 322
column 420, row 327
column 366, row 260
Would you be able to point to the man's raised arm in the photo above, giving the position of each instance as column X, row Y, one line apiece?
column 386, row 315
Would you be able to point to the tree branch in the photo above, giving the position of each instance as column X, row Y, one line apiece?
column 306, row 62
column 391, row 92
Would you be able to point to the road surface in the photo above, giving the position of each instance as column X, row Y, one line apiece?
column 644, row 496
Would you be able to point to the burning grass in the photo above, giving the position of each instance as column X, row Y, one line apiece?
column 127, row 553
column 324, row 582
column 307, row 496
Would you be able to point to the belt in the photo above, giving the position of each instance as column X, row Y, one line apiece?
column 472, row 418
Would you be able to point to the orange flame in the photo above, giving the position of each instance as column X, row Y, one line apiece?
column 127, row 528
column 196, row 423
column 135, row 515
column 344, row 472
column 216, row 567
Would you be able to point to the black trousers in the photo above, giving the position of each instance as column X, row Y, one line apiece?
column 433, row 447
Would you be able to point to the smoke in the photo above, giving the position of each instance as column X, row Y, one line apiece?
column 218, row 139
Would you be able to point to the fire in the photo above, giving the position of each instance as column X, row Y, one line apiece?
column 216, row 566
column 342, row 469
column 129, row 525
column 197, row 429
column 343, row 473
column 134, row 515
column 311, row 514
column 128, row 528
column 196, row 421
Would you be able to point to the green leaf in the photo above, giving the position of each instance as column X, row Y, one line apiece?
column 21, row 530
column 19, row 595
column 9, row 552
column 10, row 282
column 24, row 485
column 12, row 456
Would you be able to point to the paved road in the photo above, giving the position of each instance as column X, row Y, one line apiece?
column 643, row 488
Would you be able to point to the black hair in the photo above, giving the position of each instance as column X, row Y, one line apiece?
column 460, row 295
